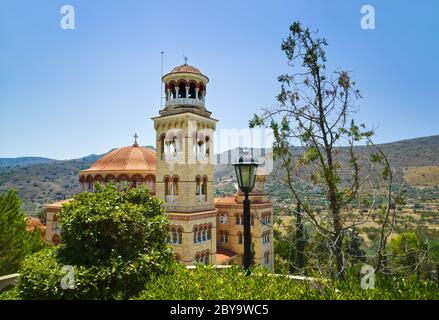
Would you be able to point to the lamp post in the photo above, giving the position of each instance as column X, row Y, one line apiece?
column 245, row 170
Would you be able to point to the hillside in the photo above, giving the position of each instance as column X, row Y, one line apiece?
column 416, row 160
column 39, row 183
column 23, row 161
column 422, row 176
column 44, row 180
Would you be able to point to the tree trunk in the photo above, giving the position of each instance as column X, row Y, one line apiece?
column 299, row 259
column 337, row 241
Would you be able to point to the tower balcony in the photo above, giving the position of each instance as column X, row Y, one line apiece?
column 185, row 102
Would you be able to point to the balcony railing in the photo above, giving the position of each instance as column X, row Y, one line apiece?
column 185, row 101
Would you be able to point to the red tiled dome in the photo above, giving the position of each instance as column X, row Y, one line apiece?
column 185, row 68
column 132, row 158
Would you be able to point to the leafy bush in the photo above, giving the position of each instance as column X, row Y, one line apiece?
column 114, row 240
column 15, row 242
column 111, row 223
column 11, row 294
column 118, row 279
column 206, row 283
column 407, row 251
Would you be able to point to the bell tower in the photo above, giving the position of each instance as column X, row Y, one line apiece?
column 185, row 164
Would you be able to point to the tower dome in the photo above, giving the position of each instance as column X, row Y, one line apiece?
column 185, row 68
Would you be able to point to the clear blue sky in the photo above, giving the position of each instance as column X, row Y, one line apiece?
column 69, row 93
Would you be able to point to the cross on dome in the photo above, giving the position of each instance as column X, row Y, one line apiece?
column 135, row 136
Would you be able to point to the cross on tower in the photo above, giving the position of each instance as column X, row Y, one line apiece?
column 185, row 59
column 135, row 136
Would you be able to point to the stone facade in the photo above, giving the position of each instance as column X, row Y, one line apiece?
column 181, row 173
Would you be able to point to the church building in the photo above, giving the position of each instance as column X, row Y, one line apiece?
column 181, row 172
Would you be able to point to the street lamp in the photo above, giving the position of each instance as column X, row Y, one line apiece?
column 245, row 170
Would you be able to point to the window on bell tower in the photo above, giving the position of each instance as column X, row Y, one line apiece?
column 204, row 189
column 182, row 90
column 192, row 91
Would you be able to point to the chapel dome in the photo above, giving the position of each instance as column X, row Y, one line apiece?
column 131, row 158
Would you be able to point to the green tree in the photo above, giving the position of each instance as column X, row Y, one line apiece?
column 115, row 240
column 407, row 251
column 315, row 109
column 15, row 242
column 354, row 247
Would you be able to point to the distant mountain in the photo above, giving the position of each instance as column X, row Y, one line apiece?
column 416, row 160
column 23, row 161
column 39, row 182
column 45, row 180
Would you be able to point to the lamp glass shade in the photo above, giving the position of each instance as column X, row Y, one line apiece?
column 245, row 170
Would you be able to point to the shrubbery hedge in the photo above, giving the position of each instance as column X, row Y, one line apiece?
column 115, row 240
column 207, row 283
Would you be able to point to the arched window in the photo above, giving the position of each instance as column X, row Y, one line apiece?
column 200, row 146
column 89, row 181
column 173, row 91
column 207, row 146
column 162, row 146
column 109, row 178
column 174, row 144
column 180, row 235
column 209, row 232
column 192, row 90
column 266, row 237
column 168, row 196
column 175, row 186
column 204, row 189
column 136, row 180
column 199, row 236
column 174, row 233
column 196, row 235
column 150, row 179
column 224, row 236
column 204, row 233
column 223, row 217
column 198, row 189
column 238, row 219
column 206, row 257
column 267, row 257
column 240, row 237
column 182, row 90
